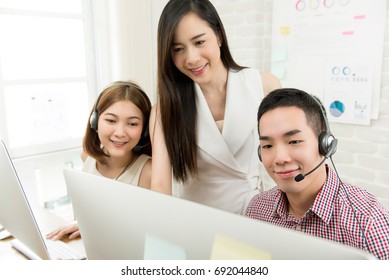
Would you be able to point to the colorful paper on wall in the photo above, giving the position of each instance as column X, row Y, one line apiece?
column 334, row 51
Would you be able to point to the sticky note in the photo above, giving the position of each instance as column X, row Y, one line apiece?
column 285, row 30
column 227, row 248
column 157, row 248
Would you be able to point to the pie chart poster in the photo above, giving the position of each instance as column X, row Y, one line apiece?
column 348, row 91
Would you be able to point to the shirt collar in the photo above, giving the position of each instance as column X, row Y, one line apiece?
column 280, row 209
column 322, row 206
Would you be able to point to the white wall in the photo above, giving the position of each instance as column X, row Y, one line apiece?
column 363, row 151
column 248, row 27
column 124, row 43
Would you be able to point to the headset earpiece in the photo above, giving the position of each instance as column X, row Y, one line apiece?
column 145, row 129
column 327, row 143
column 93, row 120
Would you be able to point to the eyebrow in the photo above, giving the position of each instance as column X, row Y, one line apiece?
column 113, row 115
column 193, row 38
column 287, row 134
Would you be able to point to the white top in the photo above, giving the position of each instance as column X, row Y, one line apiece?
column 130, row 176
column 230, row 172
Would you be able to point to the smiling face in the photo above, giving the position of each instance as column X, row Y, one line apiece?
column 196, row 49
column 289, row 147
column 120, row 129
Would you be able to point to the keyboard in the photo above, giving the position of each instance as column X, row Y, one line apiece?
column 58, row 250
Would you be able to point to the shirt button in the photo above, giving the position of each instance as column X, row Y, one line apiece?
column 298, row 228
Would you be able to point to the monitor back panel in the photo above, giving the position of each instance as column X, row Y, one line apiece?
column 115, row 218
column 15, row 212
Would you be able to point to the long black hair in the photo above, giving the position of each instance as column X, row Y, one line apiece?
column 176, row 92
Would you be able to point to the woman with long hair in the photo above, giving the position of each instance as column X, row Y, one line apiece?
column 203, row 127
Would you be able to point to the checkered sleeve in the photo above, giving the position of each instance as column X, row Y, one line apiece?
column 377, row 236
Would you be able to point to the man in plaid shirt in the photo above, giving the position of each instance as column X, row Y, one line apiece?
column 295, row 140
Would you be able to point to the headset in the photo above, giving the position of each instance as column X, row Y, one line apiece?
column 327, row 141
column 327, row 147
column 94, row 118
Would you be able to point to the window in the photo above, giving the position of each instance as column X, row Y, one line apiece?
column 46, row 74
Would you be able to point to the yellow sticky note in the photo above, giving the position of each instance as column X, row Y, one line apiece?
column 226, row 248
column 285, row 30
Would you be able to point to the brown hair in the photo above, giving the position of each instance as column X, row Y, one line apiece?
column 117, row 91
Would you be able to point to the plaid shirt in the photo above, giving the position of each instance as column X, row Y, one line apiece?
column 340, row 212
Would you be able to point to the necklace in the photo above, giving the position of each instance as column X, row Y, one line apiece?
column 127, row 166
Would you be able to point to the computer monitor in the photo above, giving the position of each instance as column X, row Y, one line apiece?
column 121, row 221
column 17, row 216
column 15, row 211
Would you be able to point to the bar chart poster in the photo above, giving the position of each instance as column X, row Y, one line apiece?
column 332, row 49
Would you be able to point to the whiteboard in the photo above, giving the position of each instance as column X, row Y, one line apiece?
column 332, row 49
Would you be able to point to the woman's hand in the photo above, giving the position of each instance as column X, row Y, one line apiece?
column 72, row 231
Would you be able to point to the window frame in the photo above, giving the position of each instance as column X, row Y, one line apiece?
column 87, row 17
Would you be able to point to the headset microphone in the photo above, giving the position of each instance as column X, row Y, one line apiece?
column 138, row 148
column 330, row 152
column 301, row 177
